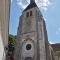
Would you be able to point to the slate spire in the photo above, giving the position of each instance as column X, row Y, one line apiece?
column 31, row 1
column 31, row 5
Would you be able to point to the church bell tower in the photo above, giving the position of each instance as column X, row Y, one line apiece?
column 30, row 42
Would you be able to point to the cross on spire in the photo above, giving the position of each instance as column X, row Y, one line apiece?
column 31, row 1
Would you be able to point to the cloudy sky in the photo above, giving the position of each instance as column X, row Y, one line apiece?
column 50, row 10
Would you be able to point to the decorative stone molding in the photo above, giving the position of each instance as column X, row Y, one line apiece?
column 28, row 38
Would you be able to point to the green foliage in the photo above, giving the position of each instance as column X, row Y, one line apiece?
column 11, row 46
column 11, row 43
column 58, row 54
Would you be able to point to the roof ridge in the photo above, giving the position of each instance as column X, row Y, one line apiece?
column 31, row 5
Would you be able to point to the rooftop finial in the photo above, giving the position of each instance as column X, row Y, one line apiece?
column 31, row 1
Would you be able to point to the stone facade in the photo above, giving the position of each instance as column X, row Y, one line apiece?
column 56, row 48
column 32, row 42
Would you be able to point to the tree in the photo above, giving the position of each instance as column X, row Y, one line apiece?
column 58, row 54
column 11, row 45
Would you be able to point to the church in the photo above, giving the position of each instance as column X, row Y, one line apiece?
column 32, row 40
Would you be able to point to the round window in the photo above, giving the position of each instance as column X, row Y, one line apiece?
column 28, row 46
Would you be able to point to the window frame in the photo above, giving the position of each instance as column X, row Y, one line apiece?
column 30, row 13
column 27, row 14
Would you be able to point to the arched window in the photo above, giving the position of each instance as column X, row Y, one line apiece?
column 28, row 58
column 30, row 13
column 27, row 15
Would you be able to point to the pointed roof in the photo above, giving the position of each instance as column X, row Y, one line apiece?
column 31, row 5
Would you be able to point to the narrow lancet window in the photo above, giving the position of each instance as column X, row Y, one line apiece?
column 30, row 13
column 27, row 15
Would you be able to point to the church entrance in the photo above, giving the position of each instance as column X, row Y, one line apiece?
column 28, row 58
